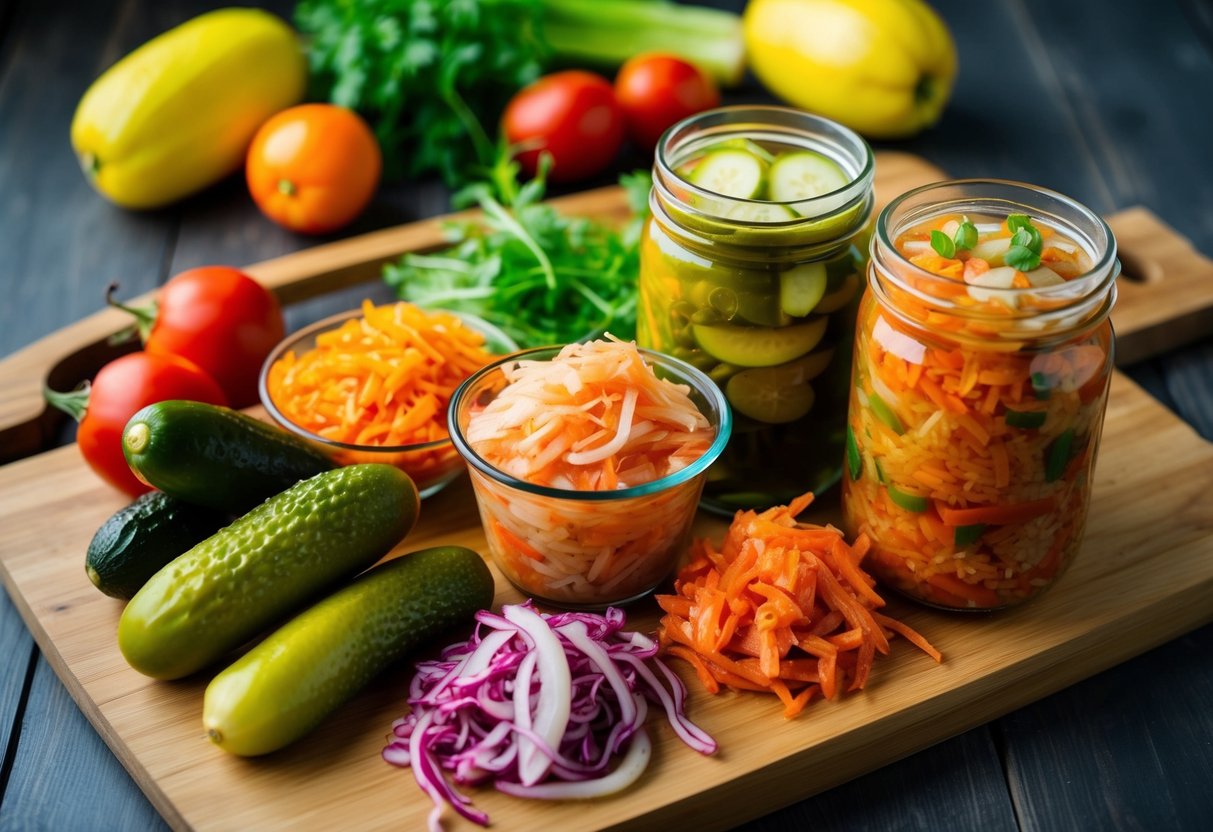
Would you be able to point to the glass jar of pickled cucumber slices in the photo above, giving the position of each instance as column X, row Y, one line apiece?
column 982, row 362
column 750, row 269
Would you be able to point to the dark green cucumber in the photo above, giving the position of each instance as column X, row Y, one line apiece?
column 266, row 565
column 140, row 539
column 292, row 680
column 217, row 457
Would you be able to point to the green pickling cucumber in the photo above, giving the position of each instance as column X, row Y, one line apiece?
column 292, row 680
column 265, row 566
column 214, row 456
column 140, row 539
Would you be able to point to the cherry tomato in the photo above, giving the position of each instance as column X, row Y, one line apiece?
column 657, row 91
column 313, row 168
column 222, row 320
column 572, row 115
column 121, row 389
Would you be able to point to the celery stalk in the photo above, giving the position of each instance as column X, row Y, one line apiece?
column 608, row 32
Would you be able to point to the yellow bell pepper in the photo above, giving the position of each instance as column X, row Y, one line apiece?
column 882, row 67
column 178, row 113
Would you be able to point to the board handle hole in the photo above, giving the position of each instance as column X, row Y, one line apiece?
column 1139, row 269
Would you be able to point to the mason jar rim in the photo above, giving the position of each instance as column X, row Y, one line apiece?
column 738, row 120
column 1092, row 279
column 1000, row 197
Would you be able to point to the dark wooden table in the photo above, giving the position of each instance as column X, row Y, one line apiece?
column 1110, row 103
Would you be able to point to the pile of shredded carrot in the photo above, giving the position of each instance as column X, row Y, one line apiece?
column 384, row 379
column 781, row 607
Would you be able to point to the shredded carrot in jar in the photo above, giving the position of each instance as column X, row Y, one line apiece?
column 978, row 499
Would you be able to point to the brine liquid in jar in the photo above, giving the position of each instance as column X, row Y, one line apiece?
column 751, row 270
column 983, row 355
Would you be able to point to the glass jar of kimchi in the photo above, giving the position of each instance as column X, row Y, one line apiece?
column 983, row 354
column 750, row 270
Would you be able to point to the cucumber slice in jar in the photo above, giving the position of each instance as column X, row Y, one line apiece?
column 762, row 394
column 911, row 502
column 759, row 212
column 801, row 288
column 854, row 460
column 749, row 146
column 759, row 346
column 728, row 172
column 804, row 174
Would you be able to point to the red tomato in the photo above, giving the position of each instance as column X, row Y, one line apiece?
column 657, row 91
column 222, row 320
column 121, row 389
column 313, row 168
column 572, row 115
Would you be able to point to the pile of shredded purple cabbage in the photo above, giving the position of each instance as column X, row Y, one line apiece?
column 539, row 705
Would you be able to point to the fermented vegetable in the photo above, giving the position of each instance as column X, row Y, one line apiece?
column 982, row 367
column 594, row 419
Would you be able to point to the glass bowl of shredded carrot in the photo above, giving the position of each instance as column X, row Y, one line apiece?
column 587, row 462
column 373, row 385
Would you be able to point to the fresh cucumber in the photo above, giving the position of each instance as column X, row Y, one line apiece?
column 217, row 457
column 730, row 172
column 292, row 680
column 803, row 174
column 266, row 565
column 138, row 540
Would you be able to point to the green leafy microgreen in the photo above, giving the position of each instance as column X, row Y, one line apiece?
column 966, row 236
column 1017, row 221
column 1026, row 244
column 1022, row 258
column 943, row 244
column 540, row 276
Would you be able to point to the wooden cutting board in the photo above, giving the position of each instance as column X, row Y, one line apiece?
column 1144, row 576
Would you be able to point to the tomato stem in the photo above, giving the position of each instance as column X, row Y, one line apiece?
column 287, row 187
column 74, row 404
column 145, row 317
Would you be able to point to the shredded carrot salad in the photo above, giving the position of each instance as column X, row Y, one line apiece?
column 383, row 379
column 970, row 462
column 594, row 418
column 780, row 607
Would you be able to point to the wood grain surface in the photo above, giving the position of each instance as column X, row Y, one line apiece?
column 1131, row 589
column 1135, row 584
